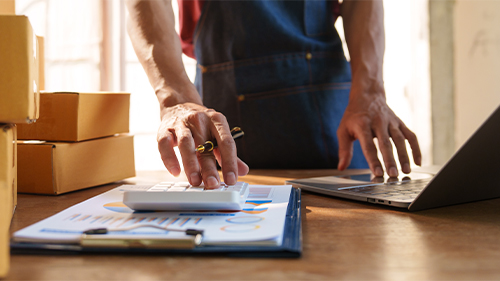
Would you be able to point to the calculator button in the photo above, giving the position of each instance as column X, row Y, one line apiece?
column 236, row 188
column 175, row 198
column 162, row 185
column 219, row 188
column 195, row 189
column 157, row 189
column 176, row 188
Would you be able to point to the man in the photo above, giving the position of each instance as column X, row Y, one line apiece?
column 277, row 70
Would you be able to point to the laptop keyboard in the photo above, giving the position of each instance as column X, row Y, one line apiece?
column 401, row 190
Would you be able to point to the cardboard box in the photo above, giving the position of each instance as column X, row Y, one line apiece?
column 8, row 162
column 57, row 167
column 4, row 229
column 7, row 7
column 8, row 192
column 41, row 63
column 19, row 93
column 67, row 116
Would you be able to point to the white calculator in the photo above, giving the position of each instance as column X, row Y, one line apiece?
column 174, row 196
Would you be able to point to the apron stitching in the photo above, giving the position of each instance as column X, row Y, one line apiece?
column 323, row 135
column 297, row 90
column 255, row 61
column 238, row 114
column 243, row 143
column 234, row 64
column 308, row 58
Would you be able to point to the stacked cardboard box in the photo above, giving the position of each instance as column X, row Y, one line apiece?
column 19, row 103
column 41, row 63
column 8, row 192
column 7, row 7
column 8, row 164
column 19, row 93
column 75, row 143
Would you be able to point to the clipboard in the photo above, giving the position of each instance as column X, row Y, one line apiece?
column 291, row 245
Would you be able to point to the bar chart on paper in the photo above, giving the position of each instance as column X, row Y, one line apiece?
column 262, row 219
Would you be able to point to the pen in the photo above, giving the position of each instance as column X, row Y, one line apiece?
column 208, row 146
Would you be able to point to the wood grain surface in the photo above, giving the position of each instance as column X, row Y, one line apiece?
column 342, row 240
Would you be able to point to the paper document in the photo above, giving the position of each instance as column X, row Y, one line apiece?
column 261, row 222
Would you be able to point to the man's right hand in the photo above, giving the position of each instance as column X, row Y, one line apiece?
column 188, row 125
column 185, row 122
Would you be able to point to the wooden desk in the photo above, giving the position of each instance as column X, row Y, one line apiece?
column 342, row 240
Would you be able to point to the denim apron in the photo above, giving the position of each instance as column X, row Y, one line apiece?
column 277, row 70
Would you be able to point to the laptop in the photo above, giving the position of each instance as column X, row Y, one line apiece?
column 472, row 174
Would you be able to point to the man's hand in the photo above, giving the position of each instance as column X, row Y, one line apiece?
column 368, row 118
column 367, row 115
column 185, row 122
column 189, row 125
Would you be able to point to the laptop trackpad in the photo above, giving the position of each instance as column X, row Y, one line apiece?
column 345, row 182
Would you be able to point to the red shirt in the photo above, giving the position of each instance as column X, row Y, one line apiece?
column 189, row 14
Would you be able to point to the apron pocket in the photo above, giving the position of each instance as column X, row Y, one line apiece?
column 294, row 130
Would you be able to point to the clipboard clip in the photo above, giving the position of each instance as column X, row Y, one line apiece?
column 96, row 238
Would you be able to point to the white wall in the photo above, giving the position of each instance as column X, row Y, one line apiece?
column 72, row 31
column 477, row 64
column 406, row 68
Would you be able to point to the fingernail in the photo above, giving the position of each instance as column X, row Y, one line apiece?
column 174, row 170
column 212, row 182
column 230, row 178
column 379, row 172
column 195, row 179
column 393, row 172
column 406, row 168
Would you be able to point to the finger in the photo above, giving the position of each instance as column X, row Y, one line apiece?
column 186, row 146
column 413, row 141
column 206, row 161
column 400, row 142
column 385, row 146
column 345, row 149
column 243, row 168
column 209, row 170
column 166, row 143
column 370, row 152
column 226, row 148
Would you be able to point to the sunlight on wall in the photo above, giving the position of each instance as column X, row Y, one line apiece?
column 477, row 57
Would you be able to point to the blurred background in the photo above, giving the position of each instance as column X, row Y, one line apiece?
column 440, row 66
